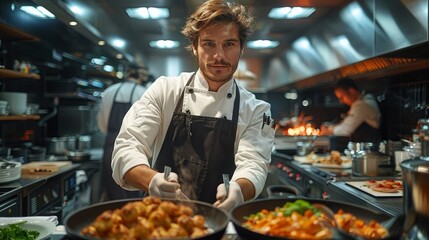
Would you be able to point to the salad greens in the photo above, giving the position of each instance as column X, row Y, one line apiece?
column 16, row 232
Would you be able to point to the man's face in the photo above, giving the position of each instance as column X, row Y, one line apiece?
column 344, row 96
column 218, row 52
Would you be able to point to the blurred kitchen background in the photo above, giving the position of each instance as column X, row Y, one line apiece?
column 64, row 58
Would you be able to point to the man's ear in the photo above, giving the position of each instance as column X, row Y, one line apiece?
column 241, row 52
column 194, row 51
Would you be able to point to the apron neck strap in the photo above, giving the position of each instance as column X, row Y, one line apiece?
column 235, row 112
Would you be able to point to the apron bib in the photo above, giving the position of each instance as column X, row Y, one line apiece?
column 199, row 149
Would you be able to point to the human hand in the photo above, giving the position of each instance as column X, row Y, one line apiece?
column 232, row 199
column 165, row 188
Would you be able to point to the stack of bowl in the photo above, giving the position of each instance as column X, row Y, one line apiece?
column 9, row 171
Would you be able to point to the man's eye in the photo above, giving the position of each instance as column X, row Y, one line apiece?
column 208, row 44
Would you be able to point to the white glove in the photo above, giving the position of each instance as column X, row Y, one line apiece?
column 235, row 196
column 160, row 187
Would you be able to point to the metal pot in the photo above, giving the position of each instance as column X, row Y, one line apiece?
column 304, row 148
column 78, row 156
column 416, row 198
column 60, row 145
column 216, row 219
column 371, row 164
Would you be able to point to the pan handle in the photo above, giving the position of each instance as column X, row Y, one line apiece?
column 283, row 191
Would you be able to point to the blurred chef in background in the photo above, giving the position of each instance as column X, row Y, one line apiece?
column 116, row 101
column 362, row 122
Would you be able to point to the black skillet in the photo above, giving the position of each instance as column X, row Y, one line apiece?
column 216, row 219
column 238, row 213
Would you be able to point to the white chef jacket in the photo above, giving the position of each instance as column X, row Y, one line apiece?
column 122, row 96
column 146, row 123
column 364, row 110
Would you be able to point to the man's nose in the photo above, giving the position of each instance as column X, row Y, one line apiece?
column 220, row 53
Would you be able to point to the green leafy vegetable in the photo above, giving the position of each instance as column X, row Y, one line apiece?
column 16, row 232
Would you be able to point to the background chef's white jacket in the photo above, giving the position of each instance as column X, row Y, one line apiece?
column 364, row 110
column 146, row 124
column 122, row 96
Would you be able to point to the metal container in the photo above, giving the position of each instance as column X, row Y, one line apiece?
column 60, row 145
column 371, row 164
column 303, row 148
column 415, row 174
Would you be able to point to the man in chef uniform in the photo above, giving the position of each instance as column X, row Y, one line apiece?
column 201, row 124
column 116, row 101
column 362, row 122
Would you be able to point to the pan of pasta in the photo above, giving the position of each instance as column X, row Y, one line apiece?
column 147, row 218
column 302, row 218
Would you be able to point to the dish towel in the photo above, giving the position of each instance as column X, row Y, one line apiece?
column 53, row 219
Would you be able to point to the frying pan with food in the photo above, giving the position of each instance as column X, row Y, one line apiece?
column 216, row 219
column 239, row 212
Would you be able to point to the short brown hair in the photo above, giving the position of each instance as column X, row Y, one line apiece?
column 213, row 12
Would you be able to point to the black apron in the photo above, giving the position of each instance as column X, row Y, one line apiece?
column 366, row 133
column 199, row 149
column 117, row 113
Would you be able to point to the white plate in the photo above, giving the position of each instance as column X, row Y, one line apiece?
column 303, row 159
column 44, row 227
column 362, row 185
column 343, row 165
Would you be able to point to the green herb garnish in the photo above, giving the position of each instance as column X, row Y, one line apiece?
column 16, row 232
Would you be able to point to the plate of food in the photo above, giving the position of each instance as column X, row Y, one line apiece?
column 26, row 229
column 380, row 188
column 332, row 160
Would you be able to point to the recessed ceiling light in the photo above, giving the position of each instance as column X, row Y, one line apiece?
column 148, row 12
column 262, row 44
column 101, row 42
column 290, row 12
column 72, row 23
column 119, row 56
column 164, row 44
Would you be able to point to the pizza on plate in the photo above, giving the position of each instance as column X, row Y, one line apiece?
column 386, row 186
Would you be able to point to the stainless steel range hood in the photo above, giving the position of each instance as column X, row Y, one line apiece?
column 364, row 39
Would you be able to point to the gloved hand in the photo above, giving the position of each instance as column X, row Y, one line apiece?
column 160, row 187
column 235, row 196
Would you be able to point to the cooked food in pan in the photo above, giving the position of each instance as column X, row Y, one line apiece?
column 302, row 220
column 296, row 220
column 150, row 218
column 357, row 227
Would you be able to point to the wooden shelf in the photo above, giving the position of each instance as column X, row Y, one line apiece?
column 10, row 33
column 6, row 73
column 19, row 117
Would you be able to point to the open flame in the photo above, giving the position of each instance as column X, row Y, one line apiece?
column 302, row 130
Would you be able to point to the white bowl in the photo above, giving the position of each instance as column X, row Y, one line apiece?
column 17, row 102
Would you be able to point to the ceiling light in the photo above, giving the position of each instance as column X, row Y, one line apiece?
column 290, row 12
column 72, row 23
column 148, row 13
column 118, row 43
column 98, row 61
column 108, row 68
column 119, row 56
column 101, row 42
column 164, row 44
column 78, row 10
column 262, row 44
column 45, row 12
column 39, row 12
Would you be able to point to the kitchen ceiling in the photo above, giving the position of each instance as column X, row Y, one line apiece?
column 107, row 19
